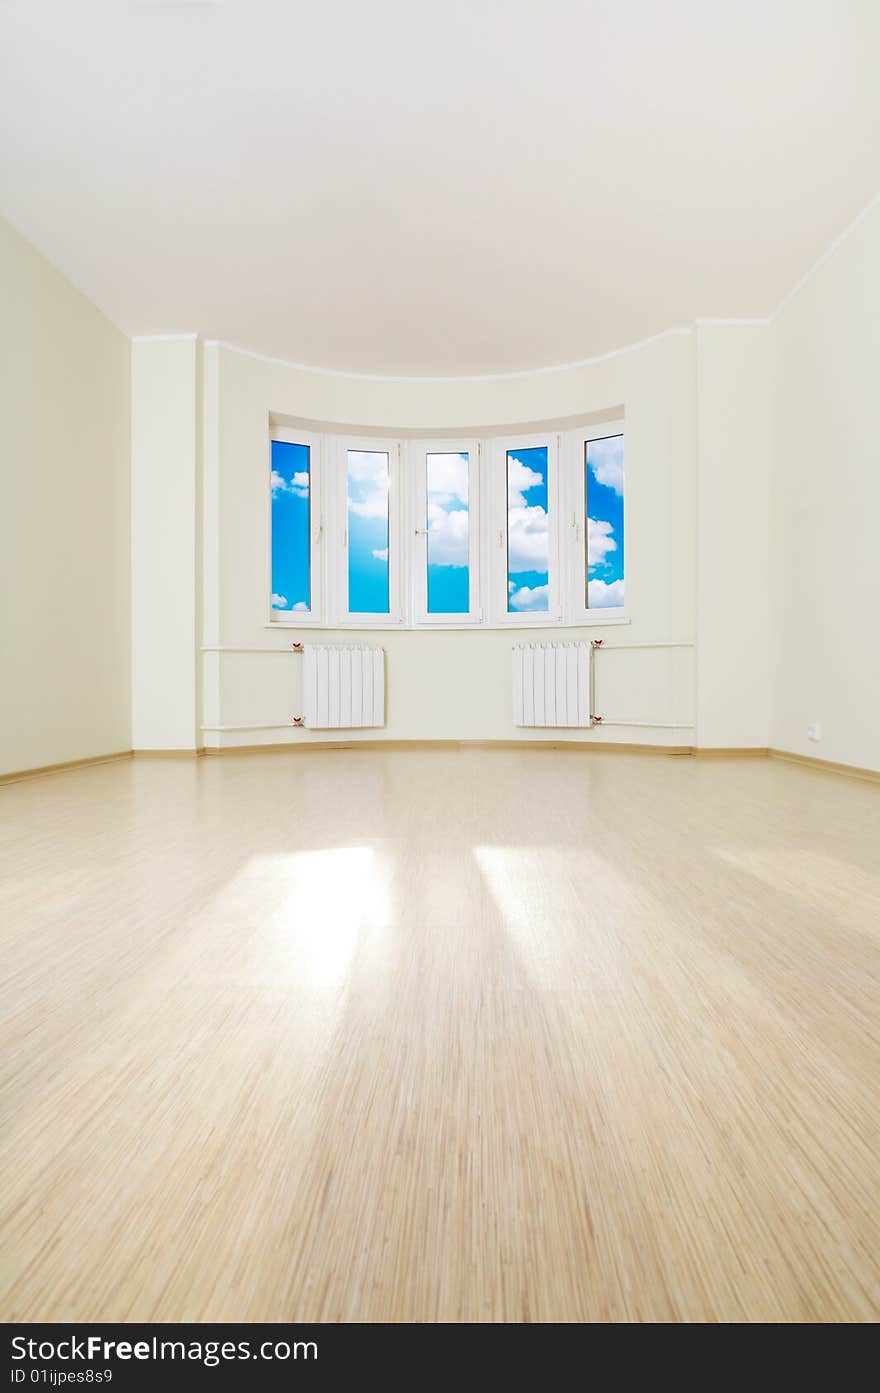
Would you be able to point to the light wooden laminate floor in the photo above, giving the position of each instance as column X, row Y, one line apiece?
column 440, row 1036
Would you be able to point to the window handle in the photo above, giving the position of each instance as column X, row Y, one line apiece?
column 421, row 531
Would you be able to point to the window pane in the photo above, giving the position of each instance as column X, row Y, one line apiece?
column 291, row 534
column 603, row 476
column 527, row 537
column 448, row 534
column 368, row 532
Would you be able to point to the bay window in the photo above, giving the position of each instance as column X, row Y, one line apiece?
column 520, row 532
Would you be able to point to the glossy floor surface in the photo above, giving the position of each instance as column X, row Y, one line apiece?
column 479, row 1035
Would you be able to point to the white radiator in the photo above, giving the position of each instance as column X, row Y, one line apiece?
column 342, row 686
column 551, row 684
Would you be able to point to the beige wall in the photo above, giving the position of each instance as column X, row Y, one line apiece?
column 734, row 465
column 454, row 685
column 165, row 414
column 753, row 492
column 64, row 543
column 825, row 576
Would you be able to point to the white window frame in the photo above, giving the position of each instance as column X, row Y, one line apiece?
column 496, row 536
column 574, row 531
column 397, row 560
column 407, row 542
column 314, row 616
column 417, row 530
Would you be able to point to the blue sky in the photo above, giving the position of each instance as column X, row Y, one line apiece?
column 368, row 532
column 290, row 526
column 604, row 503
column 527, row 536
column 448, row 535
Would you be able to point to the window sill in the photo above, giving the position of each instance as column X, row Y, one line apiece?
column 511, row 626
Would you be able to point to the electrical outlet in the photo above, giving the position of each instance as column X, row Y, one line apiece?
column 814, row 732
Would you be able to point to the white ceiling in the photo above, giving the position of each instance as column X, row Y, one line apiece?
column 436, row 187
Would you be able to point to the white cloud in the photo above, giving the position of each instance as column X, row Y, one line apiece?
column 605, row 596
column 280, row 602
column 530, row 597
column 298, row 485
column 447, row 478
column 527, row 539
column 381, row 555
column 448, row 536
column 374, row 505
column 600, row 541
column 367, row 466
column 520, row 478
column 368, row 483
column 606, row 462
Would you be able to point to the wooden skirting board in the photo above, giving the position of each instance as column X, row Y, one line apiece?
column 168, row 754
column 730, row 751
column 17, row 775
column 577, row 746
column 827, row 766
column 573, row 746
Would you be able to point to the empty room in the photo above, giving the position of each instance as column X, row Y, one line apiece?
column 440, row 738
